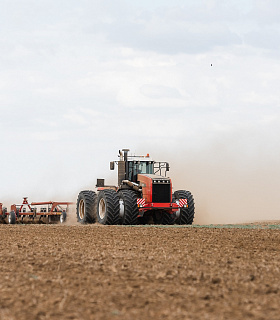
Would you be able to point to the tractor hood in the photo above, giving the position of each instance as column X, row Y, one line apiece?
column 153, row 177
column 155, row 188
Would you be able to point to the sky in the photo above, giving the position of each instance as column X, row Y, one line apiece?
column 195, row 83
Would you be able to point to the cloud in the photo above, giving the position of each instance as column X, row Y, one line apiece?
column 171, row 34
column 159, row 92
column 265, row 12
column 265, row 38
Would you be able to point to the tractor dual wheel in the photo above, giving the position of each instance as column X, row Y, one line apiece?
column 108, row 209
column 86, row 207
column 186, row 215
column 128, row 207
column 12, row 217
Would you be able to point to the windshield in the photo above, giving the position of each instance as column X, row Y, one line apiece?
column 136, row 167
column 145, row 167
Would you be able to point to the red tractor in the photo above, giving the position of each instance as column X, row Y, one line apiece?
column 143, row 195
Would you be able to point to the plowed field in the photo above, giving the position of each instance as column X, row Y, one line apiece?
column 103, row 272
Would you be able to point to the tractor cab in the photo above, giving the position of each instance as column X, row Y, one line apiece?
column 129, row 166
column 138, row 167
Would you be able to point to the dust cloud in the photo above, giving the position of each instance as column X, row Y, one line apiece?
column 229, row 186
column 7, row 202
column 233, row 180
column 71, row 216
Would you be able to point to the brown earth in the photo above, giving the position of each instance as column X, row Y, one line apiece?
column 103, row 272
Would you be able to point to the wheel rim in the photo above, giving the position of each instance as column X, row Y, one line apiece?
column 81, row 209
column 177, row 213
column 61, row 218
column 9, row 219
column 121, row 202
column 102, row 208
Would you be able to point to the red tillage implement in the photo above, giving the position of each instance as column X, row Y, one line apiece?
column 54, row 211
column 3, row 212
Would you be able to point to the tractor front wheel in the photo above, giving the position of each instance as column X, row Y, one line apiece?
column 186, row 215
column 108, row 211
column 86, row 207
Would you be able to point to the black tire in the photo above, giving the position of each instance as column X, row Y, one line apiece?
column 12, row 217
column 86, row 207
column 167, row 218
column 108, row 209
column 186, row 215
column 128, row 207
column 63, row 217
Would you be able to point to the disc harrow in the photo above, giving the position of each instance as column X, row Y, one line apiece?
column 47, row 211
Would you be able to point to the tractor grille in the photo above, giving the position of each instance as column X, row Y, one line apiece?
column 161, row 192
